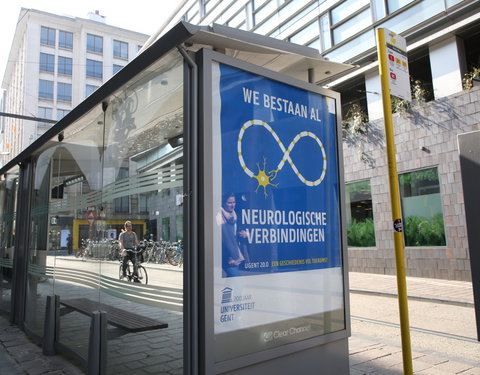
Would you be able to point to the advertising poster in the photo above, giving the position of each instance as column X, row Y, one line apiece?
column 278, row 275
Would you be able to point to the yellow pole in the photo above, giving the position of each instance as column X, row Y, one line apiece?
column 395, row 204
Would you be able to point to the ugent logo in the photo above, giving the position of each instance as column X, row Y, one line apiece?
column 265, row 178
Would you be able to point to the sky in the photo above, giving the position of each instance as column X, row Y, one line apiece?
column 144, row 16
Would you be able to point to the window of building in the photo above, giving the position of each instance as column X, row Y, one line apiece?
column 394, row 5
column 94, row 68
column 47, row 36
column 471, row 47
column 45, row 89
column 347, row 9
column 210, row 5
column 64, row 92
column 422, row 208
column 287, row 11
column 360, row 224
column 64, row 65
column 94, row 43
column 306, row 35
column 193, row 13
column 421, row 75
column 44, row 112
column 326, row 35
column 120, row 49
column 352, row 27
column 65, row 39
column 116, row 68
column 143, row 203
column 89, row 89
column 122, row 204
column 260, row 13
column 353, row 93
column 237, row 20
column 282, row 19
column 379, row 9
column 47, row 62
column 165, row 235
column 61, row 113
column 315, row 44
column 179, row 227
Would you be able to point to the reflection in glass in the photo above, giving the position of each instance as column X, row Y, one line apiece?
column 422, row 208
column 360, row 224
column 117, row 163
column 8, row 207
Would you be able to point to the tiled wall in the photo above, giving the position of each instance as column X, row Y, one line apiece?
column 434, row 126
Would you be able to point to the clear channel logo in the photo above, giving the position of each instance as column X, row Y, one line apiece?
column 279, row 334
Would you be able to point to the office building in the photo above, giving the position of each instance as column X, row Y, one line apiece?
column 55, row 62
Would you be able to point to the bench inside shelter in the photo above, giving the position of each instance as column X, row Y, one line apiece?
column 123, row 319
column 101, row 315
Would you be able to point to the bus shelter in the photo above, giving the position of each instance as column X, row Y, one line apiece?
column 225, row 157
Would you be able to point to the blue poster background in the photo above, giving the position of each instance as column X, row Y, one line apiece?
column 283, row 205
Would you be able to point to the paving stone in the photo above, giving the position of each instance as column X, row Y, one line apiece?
column 453, row 367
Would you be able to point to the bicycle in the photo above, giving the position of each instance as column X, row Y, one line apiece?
column 135, row 272
column 175, row 256
column 84, row 252
column 114, row 253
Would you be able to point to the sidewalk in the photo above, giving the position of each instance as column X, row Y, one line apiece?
column 375, row 348
column 458, row 292
column 18, row 355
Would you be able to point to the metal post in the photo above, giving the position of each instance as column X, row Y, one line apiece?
column 97, row 344
column 395, row 205
column 50, row 326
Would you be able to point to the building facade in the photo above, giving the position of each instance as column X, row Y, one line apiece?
column 55, row 62
column 442, row 51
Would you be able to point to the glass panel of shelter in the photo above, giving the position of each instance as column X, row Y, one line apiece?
column 143, row 183
column 121, row 161
column 8, row 205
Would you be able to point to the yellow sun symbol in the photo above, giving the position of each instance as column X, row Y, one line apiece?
column 264, row 179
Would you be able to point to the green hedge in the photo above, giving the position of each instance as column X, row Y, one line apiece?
column 361, row 233
column 424, row 232
column 418, row 232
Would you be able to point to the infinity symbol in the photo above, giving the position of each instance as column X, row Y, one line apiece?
column 286, row 152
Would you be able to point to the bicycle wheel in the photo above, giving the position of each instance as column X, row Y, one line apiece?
column 173, row 258
column 142, row 275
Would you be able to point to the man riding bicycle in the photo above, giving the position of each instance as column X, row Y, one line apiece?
column 128, row 241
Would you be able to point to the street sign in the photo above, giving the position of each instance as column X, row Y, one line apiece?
column 90, row 217
column 396, row 49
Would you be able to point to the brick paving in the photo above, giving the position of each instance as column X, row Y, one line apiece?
column 160, row 352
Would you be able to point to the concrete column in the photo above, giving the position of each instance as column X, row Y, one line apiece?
column 374, row 97
column 446, row 66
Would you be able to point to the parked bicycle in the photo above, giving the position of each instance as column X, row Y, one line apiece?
column 135, row 272
column 84, row 252
column 175, row 255
column 114, row 252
